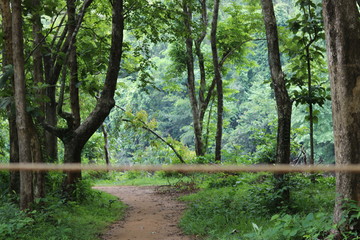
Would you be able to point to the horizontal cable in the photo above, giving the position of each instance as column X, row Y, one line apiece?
column 185, row 168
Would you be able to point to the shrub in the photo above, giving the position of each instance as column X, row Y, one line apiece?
column 294, row 227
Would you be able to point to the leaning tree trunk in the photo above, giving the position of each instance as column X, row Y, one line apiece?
column 283, row 101
column 342, row 32
column 22, row 117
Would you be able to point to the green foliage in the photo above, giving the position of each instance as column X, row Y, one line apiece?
column 294, row 227
column 56, row 219
column 223, row 180
column 350, row 219
column 248, row 210
column 232, row 37
column 12, row 221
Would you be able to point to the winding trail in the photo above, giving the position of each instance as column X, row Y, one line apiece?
column 150, row 216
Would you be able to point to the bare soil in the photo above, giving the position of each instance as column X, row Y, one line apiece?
column 151, row 215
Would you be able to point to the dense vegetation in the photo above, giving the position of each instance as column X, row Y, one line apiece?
column 185, row 81
column 55, row 217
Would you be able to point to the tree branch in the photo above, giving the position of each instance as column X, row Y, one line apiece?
column 145, row 126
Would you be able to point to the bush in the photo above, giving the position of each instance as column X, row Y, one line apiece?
column 293, row 227
column 251, row 209
column 12, row 221
column 53, row 218
column 223, row 180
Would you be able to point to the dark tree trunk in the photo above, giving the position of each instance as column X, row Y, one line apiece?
column 22, row 117
column 73, row 177
column 106, row 144
column 218, row 80
column 311, row 117
column 37, row 133
column 342, row 32
column 73, row 65
column 51, row 145
column 7, row 60
column 72, row 154
column 14, row 153
column 283, row 101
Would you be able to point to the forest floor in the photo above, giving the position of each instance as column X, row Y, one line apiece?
column 151, row 214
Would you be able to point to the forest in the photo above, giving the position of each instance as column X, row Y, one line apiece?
column 181, row 82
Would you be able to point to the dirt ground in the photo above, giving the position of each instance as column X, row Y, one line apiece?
column 151, row 215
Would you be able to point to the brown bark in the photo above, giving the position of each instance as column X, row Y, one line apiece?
column 37, row 133
column 283, row 101
column 218, row 80
column 73, row 65
column 75, row 139
column 342, row 32
column 106, row 144
column 22, row 117
column 7, row 60
column 199, row 145
column 202, row 89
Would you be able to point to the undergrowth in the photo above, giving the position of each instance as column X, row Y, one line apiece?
column 245, row 206
column 55, row 218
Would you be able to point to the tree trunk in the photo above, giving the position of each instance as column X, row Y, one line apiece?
column 311, row 119
column 75, row 139
column 7, row 60
column 199, row 145
column 73, row 177
column 22, row 117
column 106, row 144
column 37, row 135
column 203, row 99
column 283, row 101
column 342, row 33
column 218, row 80
column 72, row 154
column 73, row 65
column 50, row 118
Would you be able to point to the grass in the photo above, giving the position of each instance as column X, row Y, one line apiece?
column 138, row 178
column 55, row 219
column 245, row 207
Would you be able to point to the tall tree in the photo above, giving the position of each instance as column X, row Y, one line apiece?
column 23, row 118
column 198, row 104
column 218, row 80
column 283, row 101
column 7, row 66
column 342, row 34
column 74, row 138
column 37, row 141
column 306, row 63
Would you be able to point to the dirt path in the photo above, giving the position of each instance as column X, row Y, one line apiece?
column 150, row 216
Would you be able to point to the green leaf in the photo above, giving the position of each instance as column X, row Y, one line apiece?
column 8, row 73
